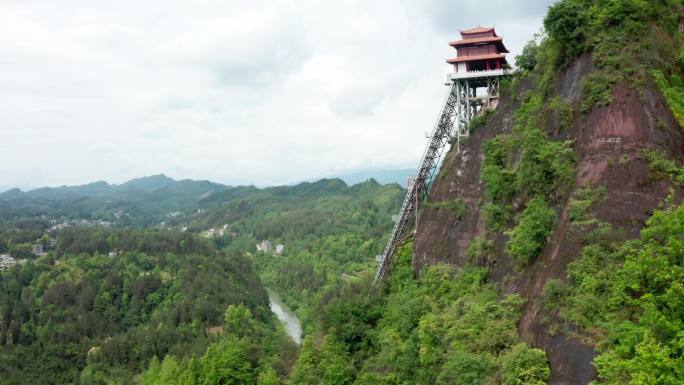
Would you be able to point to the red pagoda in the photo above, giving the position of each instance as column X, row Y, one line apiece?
column 480, row 49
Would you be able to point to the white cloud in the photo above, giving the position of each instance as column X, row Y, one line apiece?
column 263, row 92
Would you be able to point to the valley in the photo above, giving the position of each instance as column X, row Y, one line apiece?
column 176, row 276
column 288, row 318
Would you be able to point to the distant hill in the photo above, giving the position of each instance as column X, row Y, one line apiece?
column 143, row 200
column 385, row 176
column 147, row 201
column 149, row 183
column 242, row 201
column 5, row 188
column 100, row 188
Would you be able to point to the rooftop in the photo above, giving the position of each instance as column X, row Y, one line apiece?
column 478, row 30
column 475, row 40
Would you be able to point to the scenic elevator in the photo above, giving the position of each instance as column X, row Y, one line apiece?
column 479, row 65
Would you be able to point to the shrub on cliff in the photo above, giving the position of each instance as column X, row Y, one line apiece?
column 525, row 365
column 527, row 60
column 631, row 297
column 529, row 236
column 566, row 24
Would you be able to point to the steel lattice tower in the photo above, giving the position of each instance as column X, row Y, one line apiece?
column 473, row 87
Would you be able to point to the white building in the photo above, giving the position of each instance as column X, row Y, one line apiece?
column 215, row 233
column 209, row 233
column 279, row 249
column 39, row 250
column 7, row 262
column 265, row 246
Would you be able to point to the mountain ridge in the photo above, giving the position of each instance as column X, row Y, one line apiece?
column 155, row 182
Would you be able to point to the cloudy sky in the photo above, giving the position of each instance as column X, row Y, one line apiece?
column 240, row 92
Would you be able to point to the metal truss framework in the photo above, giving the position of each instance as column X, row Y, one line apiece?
column 460, row 106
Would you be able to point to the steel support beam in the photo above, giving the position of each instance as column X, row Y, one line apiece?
column 460, row 106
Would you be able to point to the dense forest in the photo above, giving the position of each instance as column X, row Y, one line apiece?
column 330, row 232
column 80, row 316
column 120, row 304
column 451, row 326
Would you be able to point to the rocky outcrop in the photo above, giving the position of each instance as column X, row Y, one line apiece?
column 607, row 141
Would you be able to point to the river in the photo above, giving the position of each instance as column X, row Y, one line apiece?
column 286, row 316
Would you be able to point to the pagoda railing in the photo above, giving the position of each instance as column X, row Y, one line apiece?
column 477, row 74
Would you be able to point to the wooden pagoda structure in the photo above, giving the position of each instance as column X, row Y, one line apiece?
column 480, row 49
column 479, row 64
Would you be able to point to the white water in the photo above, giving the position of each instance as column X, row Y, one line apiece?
column 286, row 316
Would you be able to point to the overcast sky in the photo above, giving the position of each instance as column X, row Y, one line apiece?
column 240, row 92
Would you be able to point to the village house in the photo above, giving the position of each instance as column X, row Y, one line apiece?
column 39, row 250
column 216, row 233
column 214, row 331
column 7, row 262
column 265, row 246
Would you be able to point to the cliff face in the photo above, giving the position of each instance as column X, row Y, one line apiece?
column 608, row 141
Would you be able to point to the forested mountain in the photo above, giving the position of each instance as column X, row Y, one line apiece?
column 148, row 183
column 138, row 202
column 148, row 201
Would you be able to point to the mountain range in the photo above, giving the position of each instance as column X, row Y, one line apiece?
column 149, row 200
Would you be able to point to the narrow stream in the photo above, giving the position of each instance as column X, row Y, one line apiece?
column 286, row 316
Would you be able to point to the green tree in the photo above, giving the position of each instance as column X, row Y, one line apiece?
column 152, row 374
column 464, row 368
column 226, row 363
column 523, row 365
column 306, row 371
column 170, row 371
column 527, row 59
column 529, row 237
column 268, row 376
column 191, row 372
column 567, row 24
column 240, row 321
column 335, row 364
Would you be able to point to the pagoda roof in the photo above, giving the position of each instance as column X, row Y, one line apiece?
column 477, row 40
column 478, row 30
column 462, row 59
